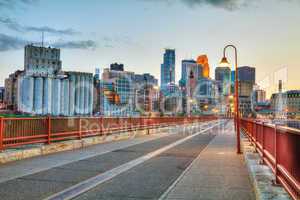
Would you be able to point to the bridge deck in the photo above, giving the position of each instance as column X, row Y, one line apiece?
column 217, row 173
column 141, row 168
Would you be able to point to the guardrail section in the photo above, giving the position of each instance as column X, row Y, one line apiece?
column 279, row 148
column 16, row 132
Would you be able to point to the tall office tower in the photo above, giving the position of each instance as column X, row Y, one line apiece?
column 97, row 74
column 203, row 60
column 223, row 76
column 167, row 72
column 246, row 73
column 246, row 77
column 190, row 64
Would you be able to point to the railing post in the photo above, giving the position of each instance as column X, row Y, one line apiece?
column 79, row 128
column 101, row 125
column 254, row 136
column 263, row 144
column 148, row 126
column 49, row 129
column 1, row 133
column 276, row 154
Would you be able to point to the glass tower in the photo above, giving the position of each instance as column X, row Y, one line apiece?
column 168, row 68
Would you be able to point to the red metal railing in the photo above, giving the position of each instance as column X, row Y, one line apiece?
column 279, row 148
column 15, row 132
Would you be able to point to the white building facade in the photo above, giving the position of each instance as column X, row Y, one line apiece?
column 44, row 89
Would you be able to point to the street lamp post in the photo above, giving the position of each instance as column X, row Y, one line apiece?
column 224, row 62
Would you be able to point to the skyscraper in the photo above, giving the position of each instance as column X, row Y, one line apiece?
column 168, row 68
column 203, row 60
column 246, row 77
column 246, row 73
column 190, row 64
column 223, row 76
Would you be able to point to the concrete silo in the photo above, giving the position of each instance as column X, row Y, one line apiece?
column 77, row 94
column 72, row 85
column 19, row 94
column 47, row 98
column 65, row 92
column 86, row 94
column 38, row 96
column 56, row 94
column 27, row 94
column 91, row 96
column 82, row 93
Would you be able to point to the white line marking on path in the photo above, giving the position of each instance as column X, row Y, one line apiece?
column 89, row 184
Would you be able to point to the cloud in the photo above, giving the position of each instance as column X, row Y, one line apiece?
column 85, row 44
column 11, row 43
column 14, row 43
column 224, row 4
column 118, row 41
column 13, row 25
column 12, row 4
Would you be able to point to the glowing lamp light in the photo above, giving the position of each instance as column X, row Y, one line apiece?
column 224, row 62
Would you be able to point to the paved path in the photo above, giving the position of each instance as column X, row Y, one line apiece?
column 41, row 177
column 217, row 173
column 33, row 165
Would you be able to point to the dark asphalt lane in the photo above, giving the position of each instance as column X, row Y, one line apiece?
column 43, row 184
column 152, row 178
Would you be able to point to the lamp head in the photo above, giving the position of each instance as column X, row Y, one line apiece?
column 224, row 62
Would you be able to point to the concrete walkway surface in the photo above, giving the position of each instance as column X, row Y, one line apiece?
column 217, row 173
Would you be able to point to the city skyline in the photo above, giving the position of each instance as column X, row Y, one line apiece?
column 101, row 42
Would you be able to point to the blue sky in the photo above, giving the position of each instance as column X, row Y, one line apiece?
column 96, row 33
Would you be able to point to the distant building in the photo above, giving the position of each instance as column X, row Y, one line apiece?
column 232, row 81
column 123, row 93
column 147, row 93
column 259, row 95
column 223, row 76
column 286, row 104
column 245, row 101
column 203, row 60
column 143, row 79
column 190, row 64
column 117, row 67
column 148, row 100
column 168, row 68
column 2, row 90
column 41, row 61
column 170, row 99
column 262, row 109
column 97, row 74
column 43, row 89
column 247, row 74
column 206, row 95
column 191, row 72
column 11, row 90
column 118, row 92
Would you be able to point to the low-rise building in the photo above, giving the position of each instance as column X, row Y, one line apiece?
column 124, row 93
column 286, row 104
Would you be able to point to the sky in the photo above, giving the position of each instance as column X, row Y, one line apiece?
column 95, row 33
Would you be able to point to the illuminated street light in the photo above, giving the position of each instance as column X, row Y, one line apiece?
column 224, row 62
